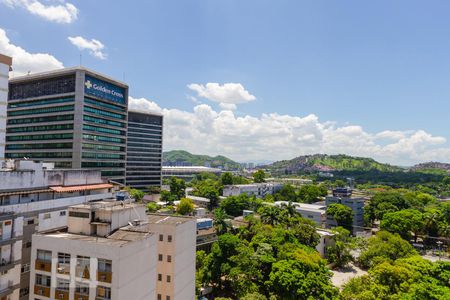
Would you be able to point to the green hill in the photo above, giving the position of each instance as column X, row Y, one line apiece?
column 178, row 157
column 330, row 163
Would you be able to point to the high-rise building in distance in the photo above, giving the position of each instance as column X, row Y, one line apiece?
column 144, row 150
column 74, row 117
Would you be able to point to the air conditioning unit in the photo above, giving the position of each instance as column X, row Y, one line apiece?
column 61, row 296
column 103, row 277
column 40, row 292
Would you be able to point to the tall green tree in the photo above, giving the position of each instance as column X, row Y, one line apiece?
column 177, row 188
column 404, row 222
column 226, row 178
column 259, row 176
column 342, row 214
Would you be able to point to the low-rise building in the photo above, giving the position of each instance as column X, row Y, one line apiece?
column 344, row 196
column 38, row 197
column 187, row 172
column 97, row 258
column 313, row 212
column 259, row 190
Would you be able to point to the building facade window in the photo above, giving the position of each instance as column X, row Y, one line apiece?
column 169, row 238
column 63, row 263
column 159, row 277
column 103, row 293
column 83, row 267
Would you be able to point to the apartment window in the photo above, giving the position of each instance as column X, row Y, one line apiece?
column 169, row 258
column 159, row 277
column 44, row 255
column 62, row 284
column 169, row 238
column 83, row 267
column 25, row 268
column 82, row 289
column 30, row 221
column 104, row 265
column 62, row 213
column 160, row 257
column 47, row 216
column 43, row 280
column 159, row 297
column 63, row 263
column 161, row 238
column 167, row 297
column 24, row 292
column 103, row 292
column 27, row 245
column 168, row 278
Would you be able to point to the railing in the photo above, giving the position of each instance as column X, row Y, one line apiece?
column 104, row 276
column 43, row 265
column 42, row 290
column 61, row 294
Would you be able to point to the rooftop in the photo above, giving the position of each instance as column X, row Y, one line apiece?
column 117, row 239
column 66, row 71
column 106, row 205
column 170, row 220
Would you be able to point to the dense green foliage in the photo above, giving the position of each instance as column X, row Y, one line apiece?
column 185, row 207
column 319, row 162
column 267, row 259
column 405, row 278
column 342, row 214
column 385, row 246
column 174, row 157
column 259, row 176
column 339, row 253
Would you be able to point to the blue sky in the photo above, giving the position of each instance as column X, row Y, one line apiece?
column 381, row 66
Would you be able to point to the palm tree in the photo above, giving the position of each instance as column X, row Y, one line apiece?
column 221, row 221
column 270, row 215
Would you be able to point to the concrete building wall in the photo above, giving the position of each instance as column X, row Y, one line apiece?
column 185, row 247
column 133, row 269
column 5, row 63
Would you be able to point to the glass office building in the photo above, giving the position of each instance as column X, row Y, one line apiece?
column 73, row 117
column 144, row 150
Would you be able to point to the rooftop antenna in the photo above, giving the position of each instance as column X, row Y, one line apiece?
column 81, row 59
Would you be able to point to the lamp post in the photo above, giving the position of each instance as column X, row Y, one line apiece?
column 439, row 247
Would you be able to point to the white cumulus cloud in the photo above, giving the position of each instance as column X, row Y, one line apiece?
column 94, row 46
column 227, row 95
column 60, row 12
column 23, row 61
column 274, row 137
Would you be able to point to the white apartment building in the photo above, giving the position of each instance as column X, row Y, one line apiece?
column 10, row 255
column 5, row 65
column 259, row 190
column 95, row 258
column 313, row 212
column 38, row 196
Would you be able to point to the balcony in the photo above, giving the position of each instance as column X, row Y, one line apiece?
column 42, row 290
column 62, row 294
column 43, row 265
column 8, row 289
column 79, row 296
column 104, row 276
column 6, row 265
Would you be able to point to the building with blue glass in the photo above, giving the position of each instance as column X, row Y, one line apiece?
column 74, row 117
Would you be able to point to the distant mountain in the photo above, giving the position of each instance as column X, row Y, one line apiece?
column 330, row 163
column 181, row 157
column 432, row 167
